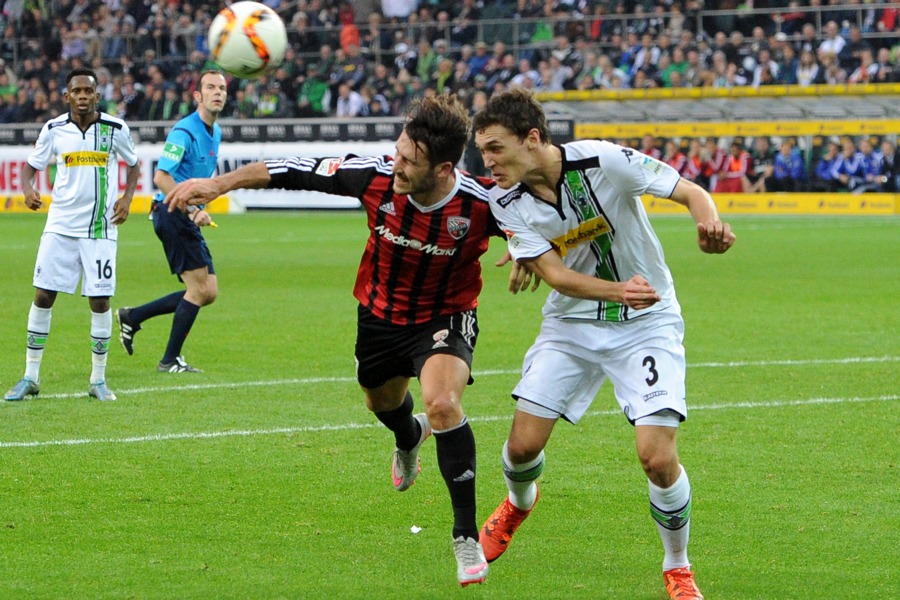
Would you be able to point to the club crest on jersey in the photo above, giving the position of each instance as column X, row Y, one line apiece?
column 329, row 166
column 458, row 226
column 439, row 338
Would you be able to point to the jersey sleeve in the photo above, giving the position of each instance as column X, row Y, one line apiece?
column 635, row 173
column 522, row 241
column 177, row 144
column 43, row 150
column 341, row 176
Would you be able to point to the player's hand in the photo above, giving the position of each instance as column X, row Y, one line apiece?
column 714, row 237
column 191, row 193
column 201, row 218
column 33, row 200
column 121, row 210
column 639, row 294
column 519, row 276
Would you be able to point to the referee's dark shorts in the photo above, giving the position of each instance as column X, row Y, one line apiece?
column 185, row 247
column 385, row 350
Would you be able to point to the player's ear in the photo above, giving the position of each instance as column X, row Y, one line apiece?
column 445, row 168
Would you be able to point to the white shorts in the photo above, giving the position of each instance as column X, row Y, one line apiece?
column 570, row 360
column 63, row 260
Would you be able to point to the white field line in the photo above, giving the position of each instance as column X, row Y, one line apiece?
column 350, row 426
column 205, row 435
column 488, row 373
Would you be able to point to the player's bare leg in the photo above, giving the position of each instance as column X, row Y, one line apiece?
column 523, row 463
column 443, row 379
column 670, row 505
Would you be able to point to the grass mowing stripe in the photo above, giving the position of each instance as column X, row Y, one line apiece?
column 162, row 437
column 488, row 373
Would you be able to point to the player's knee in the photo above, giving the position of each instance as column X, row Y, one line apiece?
column 443, row 410
column 660, row 467
column 44, row 298
column 521, row 450
column 206, row 294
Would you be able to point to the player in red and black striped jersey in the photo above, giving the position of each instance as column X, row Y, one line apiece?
column 421, row 261
column 417, row 287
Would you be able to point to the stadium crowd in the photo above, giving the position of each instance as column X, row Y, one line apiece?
column 373, row 57
column 843, row 165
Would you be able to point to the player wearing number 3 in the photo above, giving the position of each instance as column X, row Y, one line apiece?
column 574, row 217
column 79, row 240
column 417, row 287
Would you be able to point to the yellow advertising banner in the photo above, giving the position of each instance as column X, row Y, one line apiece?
column 789, row 204
column 612, row 131
column 768, row 91
column 140, row 205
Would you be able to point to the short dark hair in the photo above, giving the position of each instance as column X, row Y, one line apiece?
column 442, row 125
column 207, row 72
column 516, row 110
column 79, row 72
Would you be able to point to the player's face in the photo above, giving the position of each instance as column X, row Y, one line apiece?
column 413, row 174
column 81, row 94
column 505, row 154
column 212, row 92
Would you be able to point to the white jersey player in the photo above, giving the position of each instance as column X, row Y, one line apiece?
column 79, row 240
column 574, row 217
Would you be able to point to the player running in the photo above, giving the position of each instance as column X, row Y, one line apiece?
column 79, row 240
column 573, row 215
column 417, row 287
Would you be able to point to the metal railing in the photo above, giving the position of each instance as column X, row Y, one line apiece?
column 517, row 33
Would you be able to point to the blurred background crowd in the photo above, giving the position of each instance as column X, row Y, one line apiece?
column 373, row 57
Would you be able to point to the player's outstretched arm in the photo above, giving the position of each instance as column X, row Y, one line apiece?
column 204, row 191
column 713, row 235
column 636, row 293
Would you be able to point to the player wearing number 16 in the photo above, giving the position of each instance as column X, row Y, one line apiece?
column 79, row 240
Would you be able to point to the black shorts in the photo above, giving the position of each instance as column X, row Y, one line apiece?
column 385, row 350
column 181, row 239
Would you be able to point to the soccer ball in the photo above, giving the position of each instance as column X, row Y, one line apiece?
column 247, row 39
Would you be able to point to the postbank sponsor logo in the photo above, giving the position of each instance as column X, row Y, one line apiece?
column 86, row 159
column 585, row 232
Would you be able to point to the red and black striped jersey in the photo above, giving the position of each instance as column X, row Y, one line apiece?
column 419, row 262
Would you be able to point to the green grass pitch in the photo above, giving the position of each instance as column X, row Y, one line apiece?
column 265, row 477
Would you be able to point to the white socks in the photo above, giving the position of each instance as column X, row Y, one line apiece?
column 520, row 479
column 38, row 331
column 101, row 331
column 671, row 509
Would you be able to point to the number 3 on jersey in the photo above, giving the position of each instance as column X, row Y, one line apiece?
column 650, row 363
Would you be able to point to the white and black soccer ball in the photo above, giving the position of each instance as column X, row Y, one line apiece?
column 247, row 39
